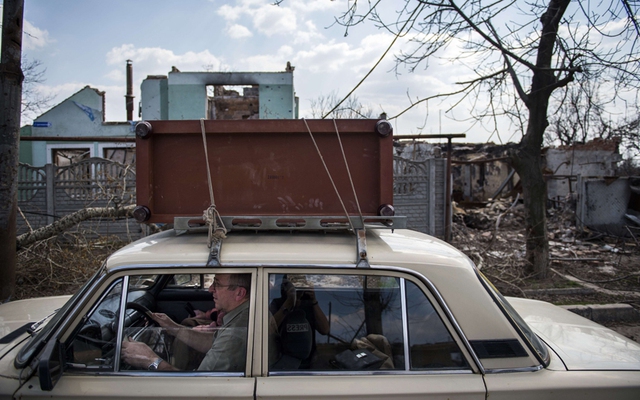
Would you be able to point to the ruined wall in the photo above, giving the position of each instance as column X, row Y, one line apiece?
column 479, row 171
column 565, row 164
column 229, row 104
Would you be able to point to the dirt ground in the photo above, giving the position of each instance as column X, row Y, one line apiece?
column 586, row 267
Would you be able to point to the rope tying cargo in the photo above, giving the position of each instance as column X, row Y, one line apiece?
column 344, row 208
column 211, row 216
column 344, row 157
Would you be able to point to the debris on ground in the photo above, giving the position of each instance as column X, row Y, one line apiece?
column 585, row 266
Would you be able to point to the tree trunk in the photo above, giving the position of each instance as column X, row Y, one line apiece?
column 528, row 165
column 10, row 99
column 527, row 160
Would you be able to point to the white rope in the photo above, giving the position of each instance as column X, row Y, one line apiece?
column 328, row 173
column 344, row 157
column 211, row 215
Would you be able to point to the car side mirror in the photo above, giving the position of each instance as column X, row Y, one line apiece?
column 50, row 366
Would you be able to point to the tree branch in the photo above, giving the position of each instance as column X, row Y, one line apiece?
column 70, row 220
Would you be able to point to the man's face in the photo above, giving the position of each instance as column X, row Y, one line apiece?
column 225, row 296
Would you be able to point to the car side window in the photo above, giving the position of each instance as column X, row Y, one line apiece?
column 191, row 281
column 214, row 339
column 94, row 344
column 330, row 322
column 430, row 343
column 161, row 335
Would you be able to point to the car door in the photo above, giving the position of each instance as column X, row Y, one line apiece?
column 359, row 334
column 89, row 347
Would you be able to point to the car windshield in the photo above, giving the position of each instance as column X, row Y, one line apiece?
column 532, row 339
column 39, row 337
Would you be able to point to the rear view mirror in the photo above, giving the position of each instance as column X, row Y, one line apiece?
column 50, row 365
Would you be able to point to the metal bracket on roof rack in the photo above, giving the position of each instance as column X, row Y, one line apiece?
column 288, row 223
column 214, row 253
column 361, row 245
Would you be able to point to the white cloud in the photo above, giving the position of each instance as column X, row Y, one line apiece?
column 336, row 56
column 230, row 13
column 266, row 18
column 303, row 37
column 272, row 20
column 156, row 60
column 269, row 62
column 314, row 6
column 237, row 31
column 33, row 37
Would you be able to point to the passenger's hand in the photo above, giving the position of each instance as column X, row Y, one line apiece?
column 164, row 321
column 206, row 328
column 137, row 354
column 212, row 326
column 205, row 314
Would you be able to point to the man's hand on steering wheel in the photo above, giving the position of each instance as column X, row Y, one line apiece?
column 137, row 354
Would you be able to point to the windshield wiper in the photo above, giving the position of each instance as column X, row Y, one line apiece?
column 34, row 327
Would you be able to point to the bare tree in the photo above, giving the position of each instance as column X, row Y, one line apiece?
column 10, row 95
column 33, row 101
column 324, row 106
column 517, row 54
column 580, row 115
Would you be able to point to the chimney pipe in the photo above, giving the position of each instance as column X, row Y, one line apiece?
column 129, row 96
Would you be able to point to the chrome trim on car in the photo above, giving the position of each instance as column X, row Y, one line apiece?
column 343, row 372
column 121, row 321
column 181, row 374
column 121, row 268
column 510, row 370
column 405, row 324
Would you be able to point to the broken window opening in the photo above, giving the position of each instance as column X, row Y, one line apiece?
column 123, row 155
column 64, row 157
column 233, row 102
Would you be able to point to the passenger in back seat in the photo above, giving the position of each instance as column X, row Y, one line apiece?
column 303, row 299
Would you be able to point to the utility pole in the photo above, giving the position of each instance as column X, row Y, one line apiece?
column 10, row 100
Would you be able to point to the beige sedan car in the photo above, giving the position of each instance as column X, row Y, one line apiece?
column 303, row 314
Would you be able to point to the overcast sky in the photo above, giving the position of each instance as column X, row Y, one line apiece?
column 88, row 42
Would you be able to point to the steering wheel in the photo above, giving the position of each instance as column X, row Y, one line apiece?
column 142, row 310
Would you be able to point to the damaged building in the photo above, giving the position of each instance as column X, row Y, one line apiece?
column 583, row 177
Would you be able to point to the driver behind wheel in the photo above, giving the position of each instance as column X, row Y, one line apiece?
column 225, row 345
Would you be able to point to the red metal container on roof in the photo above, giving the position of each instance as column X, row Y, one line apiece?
column 264, row 167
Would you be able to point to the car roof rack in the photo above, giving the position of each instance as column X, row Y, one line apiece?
column 358, row 224
column 292, row 223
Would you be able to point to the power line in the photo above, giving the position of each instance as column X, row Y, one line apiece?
column 375, row 65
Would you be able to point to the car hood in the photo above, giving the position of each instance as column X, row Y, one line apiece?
column 16, row 314
column 580, row 343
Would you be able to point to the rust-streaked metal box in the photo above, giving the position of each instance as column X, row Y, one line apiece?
column 263, row 167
